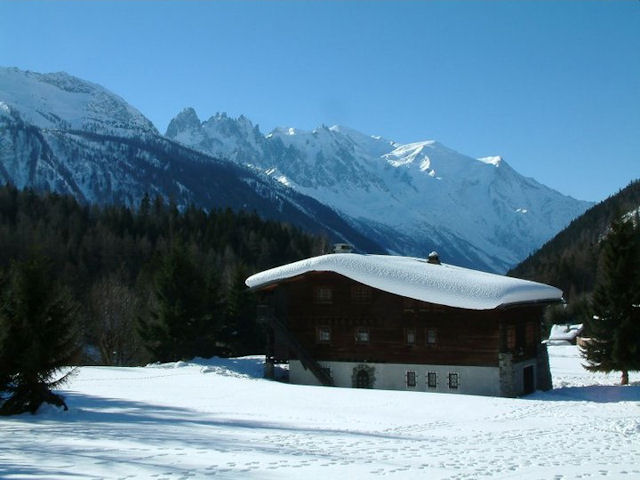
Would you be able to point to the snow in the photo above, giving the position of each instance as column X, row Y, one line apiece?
column 287, row 131
column 631, row 215
column 217, row 419
column 494, row 160
column 415, row 278
column 565, row 333
column 61, row 101
column 407, row 197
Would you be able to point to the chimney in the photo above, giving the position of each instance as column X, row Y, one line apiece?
column 342, row 248
column 433, row 258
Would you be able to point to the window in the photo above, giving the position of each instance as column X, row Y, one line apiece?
column 520, row 337
column 327, row 371
column 453, row 380
column 531, row 334
column 323, row 295
column 323, row 334
column 432, row 336
column 431, row 380
column 511, row 338
column 360, row 294
column 362, row 335
column 411, row 379
column 410, row 336
column 362, row 379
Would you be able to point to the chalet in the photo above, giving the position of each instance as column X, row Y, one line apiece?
column 388, row 322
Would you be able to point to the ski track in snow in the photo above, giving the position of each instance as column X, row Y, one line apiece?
column 216, row 419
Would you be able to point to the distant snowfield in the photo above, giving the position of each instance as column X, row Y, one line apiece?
column 217, row 419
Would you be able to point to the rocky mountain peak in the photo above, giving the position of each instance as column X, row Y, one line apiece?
column 405, row 196
column 187, row 119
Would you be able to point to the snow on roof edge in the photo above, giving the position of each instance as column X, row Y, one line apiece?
column 415, row 278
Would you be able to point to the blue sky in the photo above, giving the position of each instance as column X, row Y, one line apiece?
column 553, row 87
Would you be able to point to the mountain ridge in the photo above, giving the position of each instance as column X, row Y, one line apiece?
column 62, row 101
column 64, row 134
column 422, row 192
column 120, row 162
column 569, row 260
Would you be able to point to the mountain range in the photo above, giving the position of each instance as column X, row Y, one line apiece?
column 408, row 197
column 570, row 259
column 60, row 133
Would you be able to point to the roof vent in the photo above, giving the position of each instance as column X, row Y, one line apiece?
column 434, row 258
column 342, row 248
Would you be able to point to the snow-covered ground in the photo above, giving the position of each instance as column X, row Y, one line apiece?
column 217, row 418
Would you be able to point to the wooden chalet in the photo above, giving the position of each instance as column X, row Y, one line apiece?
column 375, row 321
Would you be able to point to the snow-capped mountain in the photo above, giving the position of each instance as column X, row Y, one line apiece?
column 63, row 102
column 60, row 133
column 411, row 198
column 63, row 134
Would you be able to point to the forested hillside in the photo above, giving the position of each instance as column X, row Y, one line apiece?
column 569, row 261
column 137, row 276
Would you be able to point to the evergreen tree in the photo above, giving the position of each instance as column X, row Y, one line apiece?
column 113, row 307
column 183, row 320
column 113, row 259
column 38, row 337
column 247, row 336
column 615, row 324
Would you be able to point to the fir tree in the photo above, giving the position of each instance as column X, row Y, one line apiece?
column 615, row 324
column 183, row 320
column 39, row 337
column 89, row 244
column 247, row 336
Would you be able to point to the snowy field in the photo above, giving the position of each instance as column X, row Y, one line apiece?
column 218, row 419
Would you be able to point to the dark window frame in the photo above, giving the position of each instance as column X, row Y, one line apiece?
column 410, row 332
column 323, row 295
column 511, row 337
column 362, row 335
column 431, row 336
column 410, row 379
column 530, row 334
column 323, row 329
column 432, row 380
column 454, row 381
column 361, row 294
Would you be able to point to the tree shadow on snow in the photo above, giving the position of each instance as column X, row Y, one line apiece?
column 117, row 417
column 154, row 431
column 32, row 471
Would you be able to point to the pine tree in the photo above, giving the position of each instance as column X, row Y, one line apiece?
column 247, row 336
column 183, row 321
column 615, row 324
column 39, row 337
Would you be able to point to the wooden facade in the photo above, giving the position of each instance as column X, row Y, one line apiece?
column 336, row 319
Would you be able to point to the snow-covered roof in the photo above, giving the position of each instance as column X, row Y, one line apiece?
column 567, row 333
column 415, row 278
